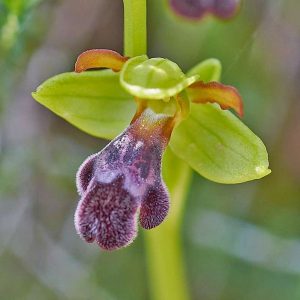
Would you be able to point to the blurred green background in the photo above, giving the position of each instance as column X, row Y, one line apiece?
column 241, row 242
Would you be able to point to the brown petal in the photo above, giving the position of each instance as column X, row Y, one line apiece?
column 214, row 92
column 99, row 58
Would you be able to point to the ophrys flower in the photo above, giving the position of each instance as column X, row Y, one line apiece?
column 123, row 182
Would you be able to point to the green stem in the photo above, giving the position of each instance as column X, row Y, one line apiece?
column 135, row 29
column 163, row 244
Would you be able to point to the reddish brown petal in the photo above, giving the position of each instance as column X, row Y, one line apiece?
column 214, row 92
column 155, row 207
column 99, row 58
column 107, row 214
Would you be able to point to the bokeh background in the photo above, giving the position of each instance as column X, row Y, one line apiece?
column 241, row 242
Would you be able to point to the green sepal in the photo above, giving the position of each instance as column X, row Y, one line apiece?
column 207, row 70
column 155, row 78
column 217, row 145
column 92, row 101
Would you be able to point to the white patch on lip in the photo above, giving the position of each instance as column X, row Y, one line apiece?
column 138, row 145
column 121, row 142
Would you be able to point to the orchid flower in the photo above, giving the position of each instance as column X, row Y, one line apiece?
column 187, row 113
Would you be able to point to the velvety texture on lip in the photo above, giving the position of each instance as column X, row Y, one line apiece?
column 121, row 180
column 107, row 214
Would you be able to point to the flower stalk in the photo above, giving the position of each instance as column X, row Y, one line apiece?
column 163, row 244
column 135, row 27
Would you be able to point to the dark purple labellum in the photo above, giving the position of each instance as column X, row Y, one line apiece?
column 122, row 179
column 197, row 9
column 225, row 9
column 107, row 213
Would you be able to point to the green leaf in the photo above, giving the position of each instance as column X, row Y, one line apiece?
column 155, row 78
column 208, row 70
column 219, row 146
column 92, row 101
